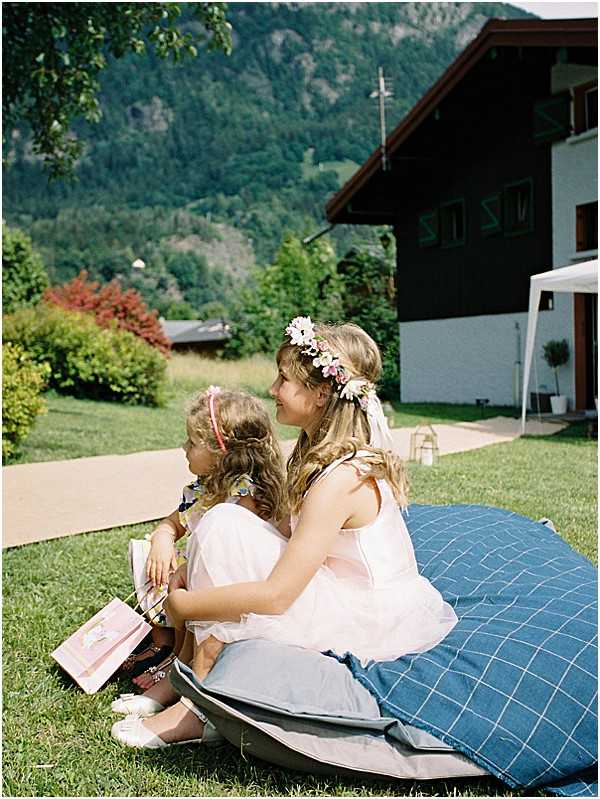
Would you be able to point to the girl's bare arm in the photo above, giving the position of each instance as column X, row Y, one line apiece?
column 324, row 512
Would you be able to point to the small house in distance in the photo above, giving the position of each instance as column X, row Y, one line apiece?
column 204, row 337
column 489, row 179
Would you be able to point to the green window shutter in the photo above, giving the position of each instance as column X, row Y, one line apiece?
column 552, row 118
column 490, row 214
column 429, row 229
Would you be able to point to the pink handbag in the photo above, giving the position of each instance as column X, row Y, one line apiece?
column 96, row 650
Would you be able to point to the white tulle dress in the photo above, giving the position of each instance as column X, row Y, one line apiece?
column 367, row 598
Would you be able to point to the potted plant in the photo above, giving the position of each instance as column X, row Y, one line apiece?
column 556, row 354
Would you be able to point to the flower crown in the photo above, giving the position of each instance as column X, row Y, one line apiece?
column 302, row 334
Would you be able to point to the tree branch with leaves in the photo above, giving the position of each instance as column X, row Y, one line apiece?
column 55, row 52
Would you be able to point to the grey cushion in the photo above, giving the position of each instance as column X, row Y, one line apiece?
column 300, row 709
column 291, row 680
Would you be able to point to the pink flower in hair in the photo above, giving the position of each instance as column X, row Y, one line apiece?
column 324, row 359
column 331, row 369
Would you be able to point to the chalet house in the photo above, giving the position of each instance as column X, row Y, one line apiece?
column 205, row 338
column 489, row 179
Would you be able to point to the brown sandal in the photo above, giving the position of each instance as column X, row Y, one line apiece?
column 159, row 673
column 136, row 663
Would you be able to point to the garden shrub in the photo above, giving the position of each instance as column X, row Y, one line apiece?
column 86, row 360
column 24, row 277
column 23, row 380
column 110, row 303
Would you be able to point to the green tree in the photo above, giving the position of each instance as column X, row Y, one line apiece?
column 177, row 309
column 369, row 300
column 302, row 281
column 213, row 310
column 57, row 51
column 24, row 276
column 190, row 269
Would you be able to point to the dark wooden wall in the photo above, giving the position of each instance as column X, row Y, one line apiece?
column 481, row 139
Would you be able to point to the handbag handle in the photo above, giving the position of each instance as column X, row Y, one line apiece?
column 137, row 606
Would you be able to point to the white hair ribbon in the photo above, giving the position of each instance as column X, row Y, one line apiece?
column 381, row 436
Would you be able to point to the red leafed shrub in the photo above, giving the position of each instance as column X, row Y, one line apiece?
column 110, row 302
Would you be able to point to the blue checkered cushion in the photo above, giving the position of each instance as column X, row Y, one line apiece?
column 514, row 685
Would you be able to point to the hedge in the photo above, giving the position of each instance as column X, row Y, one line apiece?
column 22, row 382
column 24, row 276
column 86, row 360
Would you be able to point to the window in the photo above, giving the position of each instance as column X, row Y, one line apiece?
column 452, row 218
column 586, row 230
column 518, row 207
column 585, row 105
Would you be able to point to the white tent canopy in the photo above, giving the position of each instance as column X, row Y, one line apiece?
column 581, row 277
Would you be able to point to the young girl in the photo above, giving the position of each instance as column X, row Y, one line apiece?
column 231, row 449
column 347, row 579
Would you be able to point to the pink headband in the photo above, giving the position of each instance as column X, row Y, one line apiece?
column 211, row 393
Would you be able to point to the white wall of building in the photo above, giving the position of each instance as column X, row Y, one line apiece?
column 458, row 360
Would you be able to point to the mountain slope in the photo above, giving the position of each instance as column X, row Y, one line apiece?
column 259, row 139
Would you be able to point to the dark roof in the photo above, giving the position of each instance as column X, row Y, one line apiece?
column 495, row 33
column 193, row 331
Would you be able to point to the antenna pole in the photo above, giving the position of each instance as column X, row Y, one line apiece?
column 382, row 93
column 382, row 117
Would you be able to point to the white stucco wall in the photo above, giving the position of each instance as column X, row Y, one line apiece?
column 458, row 360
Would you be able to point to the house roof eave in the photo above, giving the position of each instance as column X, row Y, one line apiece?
column 495, row 33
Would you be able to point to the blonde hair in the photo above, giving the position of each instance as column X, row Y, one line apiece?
column 343, row 427
column 251, row 449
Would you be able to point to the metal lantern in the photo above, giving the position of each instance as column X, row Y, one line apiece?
column 424, row 445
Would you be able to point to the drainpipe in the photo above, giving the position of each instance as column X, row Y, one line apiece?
column 517, row 369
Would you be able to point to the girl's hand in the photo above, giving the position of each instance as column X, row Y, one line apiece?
column 162, row 560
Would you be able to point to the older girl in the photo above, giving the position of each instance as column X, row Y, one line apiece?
column 347, row 578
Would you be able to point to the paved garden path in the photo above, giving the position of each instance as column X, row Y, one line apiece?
column 60, row 498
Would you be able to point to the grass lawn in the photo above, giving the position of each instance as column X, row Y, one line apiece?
column 76, row 428
column 56, row 738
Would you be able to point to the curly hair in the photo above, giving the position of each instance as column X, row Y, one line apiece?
column 251, row 449
column 343, row 427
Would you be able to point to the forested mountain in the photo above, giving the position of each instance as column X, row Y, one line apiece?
column 256, row 141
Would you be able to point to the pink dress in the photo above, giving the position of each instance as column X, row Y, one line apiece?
column 367, row 598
